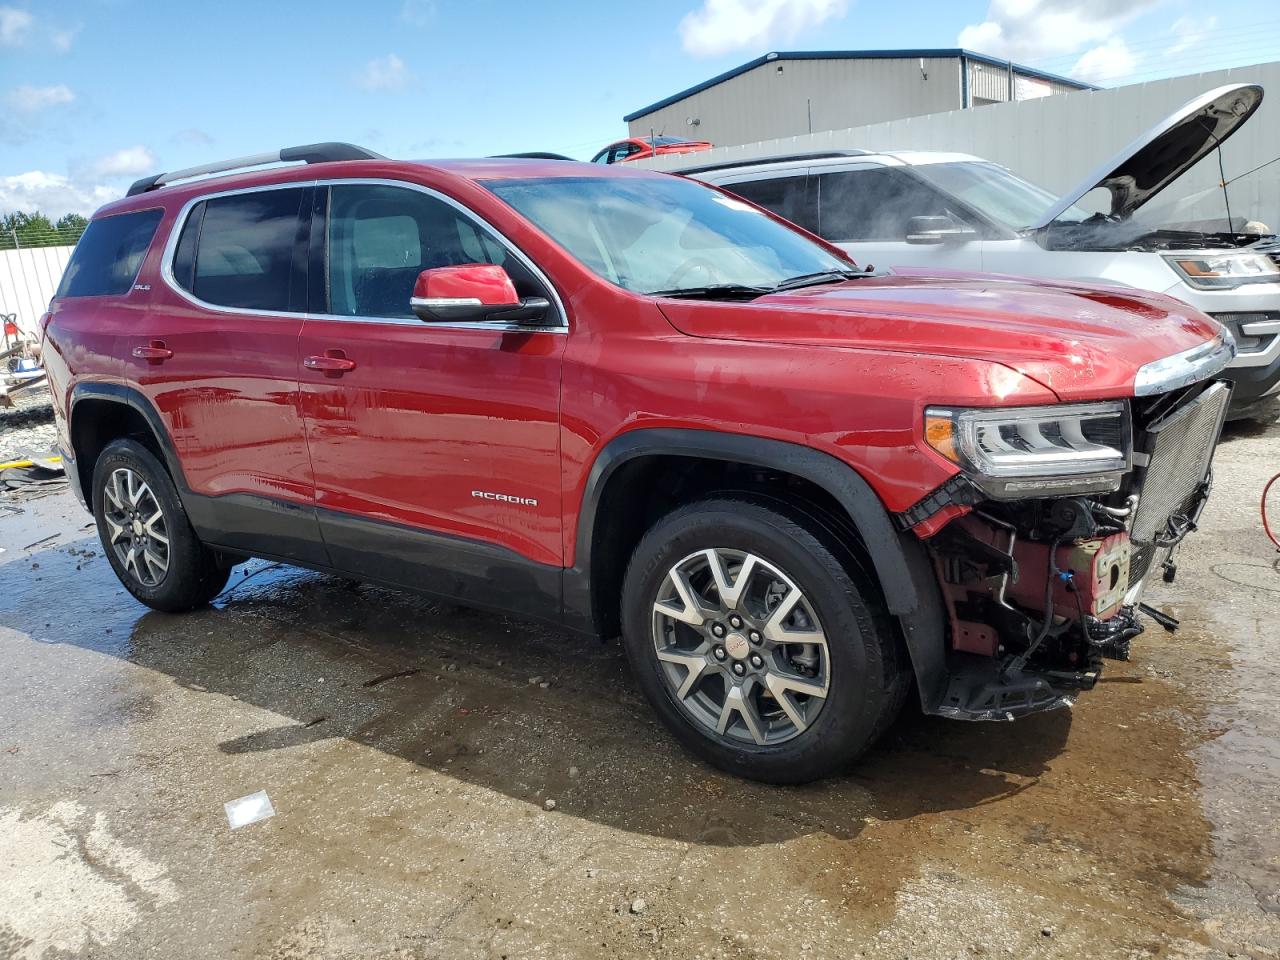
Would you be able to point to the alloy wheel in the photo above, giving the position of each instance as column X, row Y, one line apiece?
column 136, row 528
column 741, row 648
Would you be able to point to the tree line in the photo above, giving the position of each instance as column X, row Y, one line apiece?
column 22, row 230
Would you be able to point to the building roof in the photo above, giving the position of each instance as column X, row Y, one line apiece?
column 953, row 53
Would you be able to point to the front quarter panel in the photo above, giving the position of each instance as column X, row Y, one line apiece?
column 865, row 408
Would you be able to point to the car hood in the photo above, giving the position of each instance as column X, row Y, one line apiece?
column 1165, row 152
column 1081, row 342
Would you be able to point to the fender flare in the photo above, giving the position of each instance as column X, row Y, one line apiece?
column 900, row 560
column 133, row 398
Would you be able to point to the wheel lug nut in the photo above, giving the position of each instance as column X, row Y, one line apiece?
column 755, row 636
column 756, row 661
column 720, row 654
column 718, row 629
column 735, row 621
column 739, row 669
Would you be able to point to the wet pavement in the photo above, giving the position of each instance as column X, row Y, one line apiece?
column 410, row 749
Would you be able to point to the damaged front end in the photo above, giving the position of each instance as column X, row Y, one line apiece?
column 1060, row 517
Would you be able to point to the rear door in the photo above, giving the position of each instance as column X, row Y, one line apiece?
column 436, row 454
column 866, row 208
column 217, row 357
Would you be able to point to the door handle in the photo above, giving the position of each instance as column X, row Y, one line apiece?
column 334, row 363
column 154, row 353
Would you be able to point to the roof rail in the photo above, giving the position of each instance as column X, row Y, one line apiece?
column 531, row 155
column 307, row 153
column 779, row 158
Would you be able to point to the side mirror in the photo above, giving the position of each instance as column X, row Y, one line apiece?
column 938, row 230
column 472, row 292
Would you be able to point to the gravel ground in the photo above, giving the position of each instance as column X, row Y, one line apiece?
column 27, row 428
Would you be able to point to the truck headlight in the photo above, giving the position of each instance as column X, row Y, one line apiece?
column 1223, row 271
column 1015, row 452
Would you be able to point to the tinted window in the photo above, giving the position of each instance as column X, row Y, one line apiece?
column 184, row 258
column 107, row 258
column 788, row 197
column 874, row 204
column 603, row 155
column 997, row 192
column 243, row 251
column 381, row 238
column 659, row 233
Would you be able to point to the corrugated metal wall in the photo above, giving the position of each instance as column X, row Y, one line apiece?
column 28, row 279
column 763, row 103
column 1056, row 141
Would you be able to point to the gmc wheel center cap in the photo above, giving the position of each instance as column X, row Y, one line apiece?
column 737, row 646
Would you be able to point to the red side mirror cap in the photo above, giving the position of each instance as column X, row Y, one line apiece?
column 468, row 292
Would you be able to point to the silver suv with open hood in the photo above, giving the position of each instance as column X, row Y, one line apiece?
column 906, row 210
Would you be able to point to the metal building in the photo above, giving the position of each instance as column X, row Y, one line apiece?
column 787, row 94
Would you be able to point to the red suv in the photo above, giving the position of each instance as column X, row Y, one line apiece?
column 630, row 403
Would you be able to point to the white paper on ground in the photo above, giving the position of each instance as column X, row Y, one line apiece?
column 250, row 809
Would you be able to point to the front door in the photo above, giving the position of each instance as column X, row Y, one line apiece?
column 436, row 451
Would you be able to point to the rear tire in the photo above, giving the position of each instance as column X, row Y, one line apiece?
column 146, row 535
column 718, row 655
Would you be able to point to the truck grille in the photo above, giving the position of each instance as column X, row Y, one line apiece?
column 1180, row 447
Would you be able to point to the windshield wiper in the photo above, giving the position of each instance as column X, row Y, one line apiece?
column 822, row 276
column 713, row 291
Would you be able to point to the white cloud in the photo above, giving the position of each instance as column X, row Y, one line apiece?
column 384, row 73
column 1029, row 30
column 193, row 135
column 1107, row 63
column 721, row 26
column 15, row 26
column 1189, row 32
column 29, row 99
column 63, row 39
column 53, row 194
column 127, row 162
column 418, row 13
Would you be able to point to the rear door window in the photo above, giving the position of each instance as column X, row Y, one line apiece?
column 244, row 251
column 788, row 197
column 107, row 258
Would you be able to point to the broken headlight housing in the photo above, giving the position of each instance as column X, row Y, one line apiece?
column 1224, row 271
column 1017, row 452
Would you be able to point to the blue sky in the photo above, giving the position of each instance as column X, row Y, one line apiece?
column 98, row 92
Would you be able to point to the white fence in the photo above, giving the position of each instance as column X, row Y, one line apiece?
column 28, row 278
column 1056, row 141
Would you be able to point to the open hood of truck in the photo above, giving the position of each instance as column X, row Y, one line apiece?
column 1082, row 342
column 1165, row 152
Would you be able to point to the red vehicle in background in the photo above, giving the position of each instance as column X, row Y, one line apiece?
column 639, row 148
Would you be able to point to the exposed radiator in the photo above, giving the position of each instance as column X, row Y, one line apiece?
column 1180, row 450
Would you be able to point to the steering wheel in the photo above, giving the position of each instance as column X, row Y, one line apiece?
column 697, row 263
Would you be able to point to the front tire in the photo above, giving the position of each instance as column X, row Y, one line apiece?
column 146, row 535
column 760, row 650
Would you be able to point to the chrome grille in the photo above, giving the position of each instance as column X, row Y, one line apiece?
column 1180, row 450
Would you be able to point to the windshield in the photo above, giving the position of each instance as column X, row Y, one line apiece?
column 666, row 234
column 994, row 191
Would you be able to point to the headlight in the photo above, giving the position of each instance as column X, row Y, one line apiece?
column 1226, row 270
column 1014, row 452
